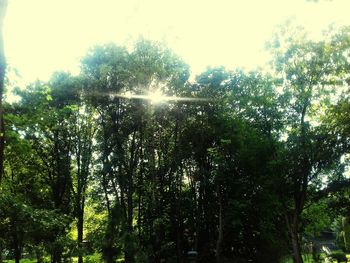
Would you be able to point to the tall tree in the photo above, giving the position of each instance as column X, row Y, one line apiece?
column 128, row 126
column 83, row 133
column 47, row 124
column 309, row 72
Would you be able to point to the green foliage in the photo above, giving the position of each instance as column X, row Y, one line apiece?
column 92, row 258
column 339, row 255
column 306, row 259
column 235, row 171
column 22, row 261
column 316, row 218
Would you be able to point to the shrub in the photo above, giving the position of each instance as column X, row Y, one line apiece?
column 339, row 255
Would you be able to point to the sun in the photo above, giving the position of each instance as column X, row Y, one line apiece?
column 157, row 97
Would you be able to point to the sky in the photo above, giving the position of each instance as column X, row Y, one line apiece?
column 43, row 36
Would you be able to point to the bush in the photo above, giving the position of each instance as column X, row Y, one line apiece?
column 339, row 255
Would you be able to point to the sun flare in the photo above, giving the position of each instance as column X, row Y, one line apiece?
column 157, row 96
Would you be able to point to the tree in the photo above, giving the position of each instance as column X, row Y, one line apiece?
column 127, row 127
column 83, row 134
column 46, row 124
column 27, row 219
column 309, row 73
column 234, row 165
column 233, row 142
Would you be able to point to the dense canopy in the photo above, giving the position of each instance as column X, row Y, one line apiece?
column 133, row 161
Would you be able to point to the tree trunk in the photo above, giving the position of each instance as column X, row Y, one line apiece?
column 129, row 247
column 220, row 234
column 1, row 253
column 80, row 228
column 17, row 251
column 199, row 218
column 179, row 245
column 56, row 257
column 17, row 257
column 129, row 253
column 297, row 258
column 3, row 7
column 179, row 231
column 179, row 224
column 39, row 255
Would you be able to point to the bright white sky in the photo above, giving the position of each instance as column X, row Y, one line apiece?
column 42, row 36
